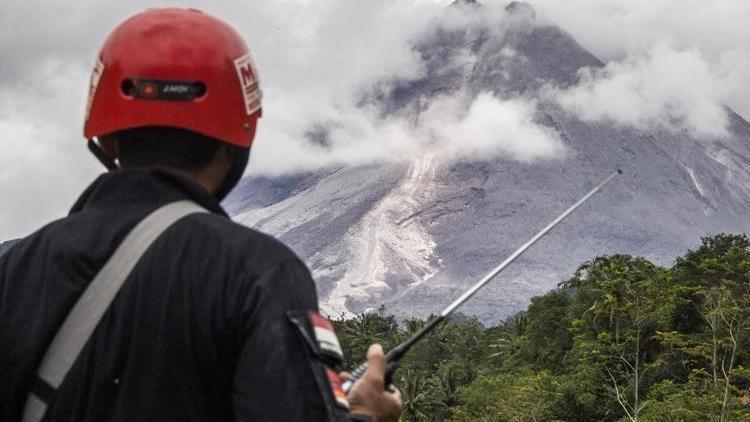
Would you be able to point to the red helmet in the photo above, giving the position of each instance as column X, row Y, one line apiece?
column 179, row 68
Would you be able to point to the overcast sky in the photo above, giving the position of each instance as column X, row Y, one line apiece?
column 667, row 61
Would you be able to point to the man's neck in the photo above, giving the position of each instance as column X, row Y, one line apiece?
column 203, row 178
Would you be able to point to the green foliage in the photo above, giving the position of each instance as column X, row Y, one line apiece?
column 623, row 339
column 525, row 396
column 547, row 337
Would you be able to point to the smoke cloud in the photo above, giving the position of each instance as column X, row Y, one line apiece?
column 677, row 90
column 452, row 127
column 491, row 127
column 637, row 37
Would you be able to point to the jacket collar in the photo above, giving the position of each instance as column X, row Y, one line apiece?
column 143, row 187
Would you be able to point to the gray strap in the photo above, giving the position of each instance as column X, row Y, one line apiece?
column 95, row 300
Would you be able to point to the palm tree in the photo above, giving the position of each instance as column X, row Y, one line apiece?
column 450, row 381
column 420, row 397
column 509, row 341
column 361, row 331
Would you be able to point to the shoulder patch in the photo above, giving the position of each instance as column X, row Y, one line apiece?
column 326, row 337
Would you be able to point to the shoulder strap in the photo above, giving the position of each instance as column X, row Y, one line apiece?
column 95, row 300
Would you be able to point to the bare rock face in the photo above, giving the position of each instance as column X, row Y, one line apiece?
column 413, row 236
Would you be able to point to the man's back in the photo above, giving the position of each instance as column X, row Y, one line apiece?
column 199, row 330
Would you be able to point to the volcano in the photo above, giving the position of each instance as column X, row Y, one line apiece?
column 413, row 235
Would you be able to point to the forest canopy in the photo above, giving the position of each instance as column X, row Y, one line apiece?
column 622, row 340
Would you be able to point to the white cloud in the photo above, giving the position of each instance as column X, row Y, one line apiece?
column 315, row 56
column 612, row 29
column 43, row 159
column 491, row 127
column 452, row 127
column 665, row 87
column 334, row 78
column 624, row 30
column 734, row 71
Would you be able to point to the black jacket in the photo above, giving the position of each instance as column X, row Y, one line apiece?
column 199, row 331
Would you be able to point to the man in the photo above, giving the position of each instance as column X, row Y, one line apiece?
column 212, row 320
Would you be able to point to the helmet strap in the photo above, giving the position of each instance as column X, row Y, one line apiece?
column 102, row 156
column 240, row 157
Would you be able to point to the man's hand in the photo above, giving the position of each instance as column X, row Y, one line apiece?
column 369, row 396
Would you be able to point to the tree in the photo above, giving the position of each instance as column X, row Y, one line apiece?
column 710, row 308
column 721, row 260
column 520, row 396
column 637, row 308
column 546, row 335
column 358, row 333
column 735, row 319
column 507, row 342
column 615, row 331
column 420, row 395
column 623, row 339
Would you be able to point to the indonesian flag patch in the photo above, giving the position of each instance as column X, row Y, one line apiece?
column 325, row 336
column 338, row 391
